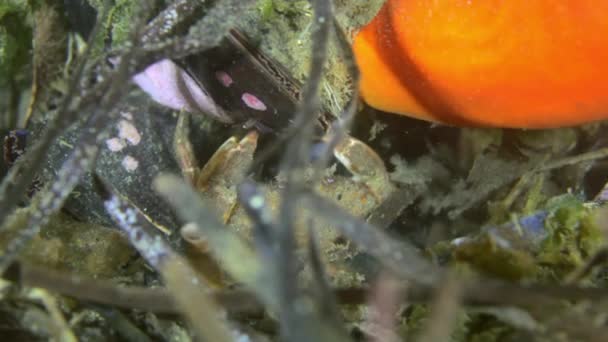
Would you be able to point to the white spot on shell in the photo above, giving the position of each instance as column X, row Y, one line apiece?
column 130, row 164
column 224, row 78
column 115, row 144
column 127, row 131
column 253, row 102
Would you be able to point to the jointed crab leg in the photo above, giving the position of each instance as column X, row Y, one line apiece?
column 183, row 149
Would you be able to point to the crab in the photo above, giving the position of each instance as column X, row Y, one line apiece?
column 133, row 145
column 360, row 193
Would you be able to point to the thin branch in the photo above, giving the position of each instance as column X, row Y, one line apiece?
column 403, row 259
column 22, row 173
column 226, row 246
column 49, row 201
column 483, row 292
column 294, row 160
column 185, row 286
column 444, row 311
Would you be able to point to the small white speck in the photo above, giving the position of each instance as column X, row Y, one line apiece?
column 460, row 241
column 240, row 337
column 115, row 144
column 127, row 115
column 172, row 15
column 256, row 202
column 129, row 163
column 127, row 131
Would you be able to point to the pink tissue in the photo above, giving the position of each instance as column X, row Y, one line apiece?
column 161, row 81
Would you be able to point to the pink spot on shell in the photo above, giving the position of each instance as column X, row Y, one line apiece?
column 253, row 102
column 224, row 78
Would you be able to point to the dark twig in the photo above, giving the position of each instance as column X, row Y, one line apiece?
column 182, row 281
column 22, row 173
column 324, row 294
column 159, row 300
column 233, row 253
column 49, row 201
column 296, row 157
column 297, row 323
column 444, row 310
column 252, row 199
column 71, row 171
column 340, row 127
column 105, row 292
column 122, row 325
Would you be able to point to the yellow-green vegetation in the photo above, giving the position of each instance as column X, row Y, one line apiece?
column 570, row 234
column 15, row 40
column 80, row 248
column 119, row 21
column 15, row 57
column 283, row 31
column 488, row 256
column 574, row 235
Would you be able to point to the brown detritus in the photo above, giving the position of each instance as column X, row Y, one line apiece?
column 385, row 299
column 444, row 310
column 49, row 54
column 82, row 248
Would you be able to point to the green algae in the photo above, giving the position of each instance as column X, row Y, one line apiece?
column 15, row 40
column 15, row 55
column 488, row 256
column 118, row 24
column 470, row 325
column 571, row 236
column 283, row 30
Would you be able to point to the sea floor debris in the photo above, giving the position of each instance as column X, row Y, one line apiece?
column 276, row 213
